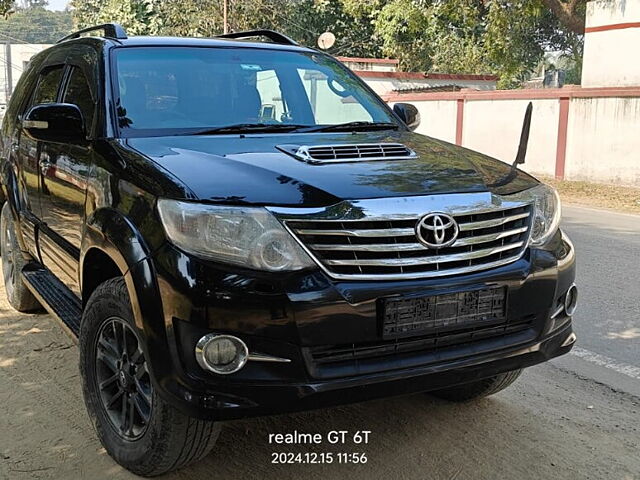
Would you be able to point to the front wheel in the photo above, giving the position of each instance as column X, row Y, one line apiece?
column 481, row 388
column 142, row 432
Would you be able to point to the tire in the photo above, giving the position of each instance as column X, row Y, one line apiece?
column 152, row 437
column 474, row 390
column 18, row 295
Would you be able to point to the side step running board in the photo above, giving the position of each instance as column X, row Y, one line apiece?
column 55, row 297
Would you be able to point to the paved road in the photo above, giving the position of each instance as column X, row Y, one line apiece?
column 560, row 420
column 608, row 318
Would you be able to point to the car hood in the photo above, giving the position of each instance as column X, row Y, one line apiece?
column 250, row 169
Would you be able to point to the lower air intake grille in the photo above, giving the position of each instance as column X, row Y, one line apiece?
column 360, row 358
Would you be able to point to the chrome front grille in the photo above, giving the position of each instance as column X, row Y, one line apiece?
column 387, row 248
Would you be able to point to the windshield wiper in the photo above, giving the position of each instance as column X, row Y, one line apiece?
column 352, row 126
column 248, row 128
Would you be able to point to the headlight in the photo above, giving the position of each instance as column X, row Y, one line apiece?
column 546, row 212
column 250, row 237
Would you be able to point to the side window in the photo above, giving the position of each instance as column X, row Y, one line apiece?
column 79, row 93
column 330, row 99
column 47, row 88
column 272, row 106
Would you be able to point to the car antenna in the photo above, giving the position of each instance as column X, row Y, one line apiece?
column 522, row 149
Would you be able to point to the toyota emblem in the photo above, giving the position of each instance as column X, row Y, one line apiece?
column 437, row 230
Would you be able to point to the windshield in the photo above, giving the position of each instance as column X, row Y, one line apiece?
column 181, row 90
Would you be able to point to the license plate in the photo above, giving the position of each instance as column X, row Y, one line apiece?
column 450, row 311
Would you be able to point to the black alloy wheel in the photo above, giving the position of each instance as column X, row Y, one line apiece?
column 123, row 379
column 137, row 427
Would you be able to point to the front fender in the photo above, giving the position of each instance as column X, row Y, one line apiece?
column 116, row 236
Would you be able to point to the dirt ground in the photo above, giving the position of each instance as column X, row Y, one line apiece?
column 598, row 195
column 550, row 424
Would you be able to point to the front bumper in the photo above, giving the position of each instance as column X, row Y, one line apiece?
column 293, row 314
column 253, row 399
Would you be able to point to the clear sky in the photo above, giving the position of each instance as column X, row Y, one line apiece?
column 57, row 4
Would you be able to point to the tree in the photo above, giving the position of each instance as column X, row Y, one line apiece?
column 36, row 25
column 135, row 15
column 571, row 13
column 303, row 20
column 6, row 8
column 504, row 37
column 26, row 4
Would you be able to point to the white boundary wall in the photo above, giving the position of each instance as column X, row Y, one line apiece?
column 579, row 133
column 597, row 139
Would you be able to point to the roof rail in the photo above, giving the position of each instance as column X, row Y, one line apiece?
column 111, row 30
column 275, row 37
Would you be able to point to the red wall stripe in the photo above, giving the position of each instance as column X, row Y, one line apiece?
column 561, row 149
column 528, row 94
column 391, row 61
column 615, row 26
column 424, row 76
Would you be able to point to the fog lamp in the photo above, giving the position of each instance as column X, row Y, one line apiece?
column 571, row 300
column 222, row 354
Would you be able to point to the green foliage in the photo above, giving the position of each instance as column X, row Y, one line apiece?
column 510, row 39
column 25, row 4
column 134, row 14
column 503, row 37
column 36, row 25
column 402, row 29
column 354, row 33
column 5, row 7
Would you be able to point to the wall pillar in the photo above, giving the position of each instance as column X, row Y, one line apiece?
column 561, row 149
column 459, row 121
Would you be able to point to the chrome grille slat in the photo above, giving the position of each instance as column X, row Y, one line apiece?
column 374, row 247
column 377, row 232
column 409, row 247
column 434, row 273
column 376, row 239
column 489, row 237
column 491, row 223
column 435, row 259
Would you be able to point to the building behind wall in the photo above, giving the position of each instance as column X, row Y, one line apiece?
column 370, row 64
column 14, row 58
column 382, row 75
column 612, row 44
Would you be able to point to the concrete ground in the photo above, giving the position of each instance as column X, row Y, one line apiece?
column 607, row 321
column 577, row 417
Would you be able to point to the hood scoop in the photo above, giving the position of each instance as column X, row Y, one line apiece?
column 346, row 153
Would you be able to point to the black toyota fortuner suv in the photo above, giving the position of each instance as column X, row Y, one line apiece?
column 235, row 228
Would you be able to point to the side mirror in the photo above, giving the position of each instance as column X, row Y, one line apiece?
column 55, row 122
column 408, row 114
